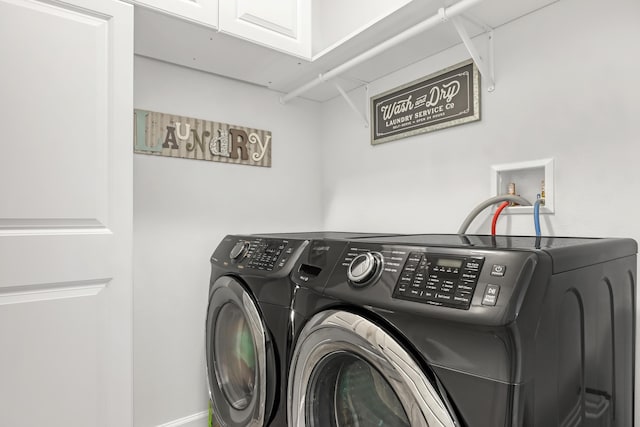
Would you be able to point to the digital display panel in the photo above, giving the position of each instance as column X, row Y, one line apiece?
column 454, row 263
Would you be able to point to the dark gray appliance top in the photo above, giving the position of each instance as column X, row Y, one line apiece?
column 567, row 253
column 325, row 235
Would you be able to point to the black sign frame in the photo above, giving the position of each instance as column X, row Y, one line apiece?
column 450, row 97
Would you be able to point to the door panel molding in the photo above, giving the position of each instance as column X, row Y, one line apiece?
column 51, row 291
column 51, row 226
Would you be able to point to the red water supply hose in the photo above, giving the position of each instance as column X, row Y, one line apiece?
column 495, row 217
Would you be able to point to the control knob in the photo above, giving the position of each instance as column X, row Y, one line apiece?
column 365, row 269
column 239, row 251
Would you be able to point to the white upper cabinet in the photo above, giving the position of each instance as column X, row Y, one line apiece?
column 283, row 25
column 281, row 44
column 203, row 12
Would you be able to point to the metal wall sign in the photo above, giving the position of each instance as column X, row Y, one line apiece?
column 169, row 135
column 448, row 98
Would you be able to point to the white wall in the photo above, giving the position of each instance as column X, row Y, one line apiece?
column 183, row 208
column 335, row 20
column 567, row 88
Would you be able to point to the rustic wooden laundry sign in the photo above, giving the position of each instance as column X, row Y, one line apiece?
column 448, row 98
column 169, row 135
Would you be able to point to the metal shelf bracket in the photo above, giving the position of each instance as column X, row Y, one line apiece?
column 346, row 97
column 485, row 64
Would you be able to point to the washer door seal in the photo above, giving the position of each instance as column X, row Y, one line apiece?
column 239, row 353
column 372, row 375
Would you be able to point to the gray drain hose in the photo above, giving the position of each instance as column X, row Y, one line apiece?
column 482, row 206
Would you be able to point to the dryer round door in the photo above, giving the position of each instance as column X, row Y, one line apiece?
column 237, row 347
column 348, row 371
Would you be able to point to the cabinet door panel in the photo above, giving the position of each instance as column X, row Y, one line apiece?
column 284, row 25
column 201, row 11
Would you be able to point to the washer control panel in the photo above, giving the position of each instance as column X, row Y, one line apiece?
column 469, row 284
column 255, row 253
column 439, row 279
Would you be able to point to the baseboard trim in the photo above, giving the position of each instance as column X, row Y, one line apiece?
column 185, row 421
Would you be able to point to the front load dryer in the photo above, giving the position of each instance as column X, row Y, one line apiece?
column 462, row 330
column 247, row 330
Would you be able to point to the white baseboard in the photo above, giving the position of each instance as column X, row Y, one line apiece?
column 200, row 419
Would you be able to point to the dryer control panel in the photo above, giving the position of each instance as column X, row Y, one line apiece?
column 441, row 279
column 261, row 254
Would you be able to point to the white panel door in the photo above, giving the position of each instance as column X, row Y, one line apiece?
column 66, row 89
column 283, row 25
column 201, row 11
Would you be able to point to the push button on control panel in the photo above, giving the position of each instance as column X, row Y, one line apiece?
column 490, row 296
column 498, row 270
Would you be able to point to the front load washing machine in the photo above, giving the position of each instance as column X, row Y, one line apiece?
column 248, row 328
column 463, row 330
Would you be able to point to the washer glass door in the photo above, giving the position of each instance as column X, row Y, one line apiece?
column 236, row 344
column 348, row 371
column 354, row 391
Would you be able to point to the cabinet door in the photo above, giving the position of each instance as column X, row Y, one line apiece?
column 283, row 25
column 200, row 11
column 66, row 90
